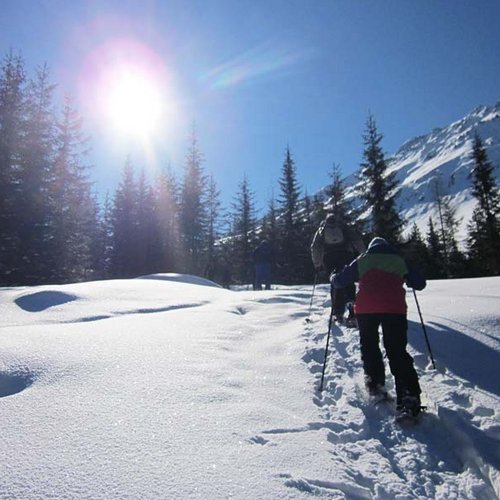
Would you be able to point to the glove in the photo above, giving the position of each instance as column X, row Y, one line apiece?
column 332, row 277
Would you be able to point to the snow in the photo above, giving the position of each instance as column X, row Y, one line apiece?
column 169, row 386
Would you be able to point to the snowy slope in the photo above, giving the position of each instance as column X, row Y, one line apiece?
column 172, row 387
column 444, row 153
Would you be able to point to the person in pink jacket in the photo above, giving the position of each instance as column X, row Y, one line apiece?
column 381, row 273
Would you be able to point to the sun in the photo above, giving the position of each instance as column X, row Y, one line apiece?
column 134, row 104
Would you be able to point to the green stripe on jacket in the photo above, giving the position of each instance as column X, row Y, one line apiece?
column 389, row 263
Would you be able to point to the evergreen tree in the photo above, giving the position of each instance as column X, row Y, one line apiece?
column 193, row 216
column 484, row 228
column 100, row 240
column 415, row 250
column 167, row 197
column 435, row 266
column 307, row 229
column 444, row 234
column 104, row 255
column 213, row 228
column 456, row 261
column 338, row 203
column 12, row 95
column 291, row 249
column 378, row 188
column 270, row 224
column 74, row 210
column 124, row 223
column 243, row 232
column 148, row 245
column 318, row 212
column 34, row 211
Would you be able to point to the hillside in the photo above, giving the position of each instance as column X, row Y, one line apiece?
column 444, row 153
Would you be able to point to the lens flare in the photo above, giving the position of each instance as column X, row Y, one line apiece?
column 134, row 105
column 128, row 88
column 263, row 61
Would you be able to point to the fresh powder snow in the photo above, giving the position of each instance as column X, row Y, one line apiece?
column 171, row 387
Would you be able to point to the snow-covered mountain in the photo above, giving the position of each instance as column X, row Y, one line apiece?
column 445, row 154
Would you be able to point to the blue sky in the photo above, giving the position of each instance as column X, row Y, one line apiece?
column 258, row 75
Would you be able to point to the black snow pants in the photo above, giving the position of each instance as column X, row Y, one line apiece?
column 336, row 261
column 394, row 331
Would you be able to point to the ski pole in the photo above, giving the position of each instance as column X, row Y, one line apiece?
column 326, row 350
column 312, row 296
column 423, row 328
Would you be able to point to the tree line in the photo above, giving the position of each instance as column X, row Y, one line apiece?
column 54, row 229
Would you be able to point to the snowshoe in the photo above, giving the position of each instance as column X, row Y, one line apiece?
column 379, row 394
column 408, row 410
column 351, row 322
column 339, row 319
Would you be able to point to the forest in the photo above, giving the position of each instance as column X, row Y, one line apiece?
column 55, row 229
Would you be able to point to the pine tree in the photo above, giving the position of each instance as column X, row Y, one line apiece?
column 291, row 249
column 445, row 243
column 99, row 240
column 338, row 203
column 435, row 266
column 193, row 216
column 484, row 228
column 105, row 256
column 213, row 228
column 35, row 251
column 378, row 188
column 416, row 251
column 74, row 209
column 12, row 96
column 124, row 223
column 307, row 229
column 167, row 196
column 148, row 243
column 243, row 232
column 270, row 223
column 456, row 263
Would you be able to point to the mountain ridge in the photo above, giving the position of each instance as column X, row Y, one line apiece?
column 443, row 157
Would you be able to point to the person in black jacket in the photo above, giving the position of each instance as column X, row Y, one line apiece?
column 263, row 258
column 334, row 246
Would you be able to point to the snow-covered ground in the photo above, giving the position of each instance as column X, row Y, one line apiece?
column 171, row 387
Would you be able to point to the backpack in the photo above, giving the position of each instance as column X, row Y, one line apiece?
column 332, row 233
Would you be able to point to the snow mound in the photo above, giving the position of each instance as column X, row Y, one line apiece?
column 40, row 301
column 13, row 383
column 180, row 278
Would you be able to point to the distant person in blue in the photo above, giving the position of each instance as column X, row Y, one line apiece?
column 262, row 258
column 381, row 273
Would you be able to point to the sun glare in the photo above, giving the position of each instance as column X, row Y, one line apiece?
column 134, row 104
column 131, row 93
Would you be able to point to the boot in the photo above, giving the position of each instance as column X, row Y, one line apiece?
column 409, row 405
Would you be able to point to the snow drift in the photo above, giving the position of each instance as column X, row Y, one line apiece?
column 169, row 388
